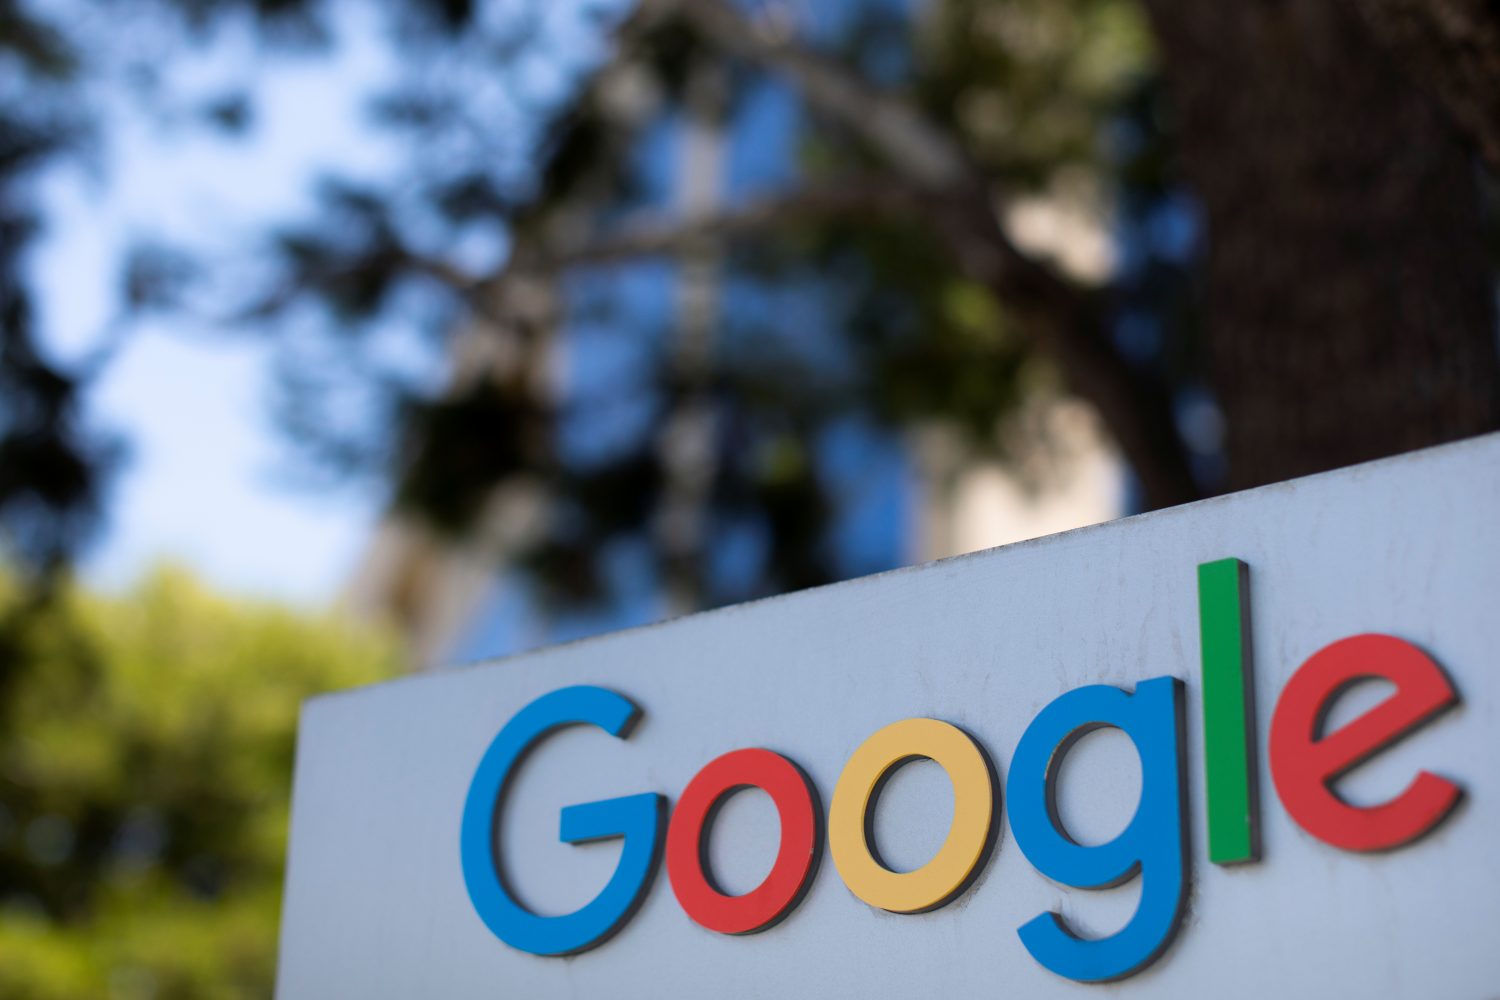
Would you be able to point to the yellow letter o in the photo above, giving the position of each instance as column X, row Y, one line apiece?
column 973, row 813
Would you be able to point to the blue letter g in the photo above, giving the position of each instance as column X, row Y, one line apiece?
column 1152, row 847
column 637, row 818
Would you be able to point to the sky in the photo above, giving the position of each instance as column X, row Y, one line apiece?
column 206, row 479
column 209, row 479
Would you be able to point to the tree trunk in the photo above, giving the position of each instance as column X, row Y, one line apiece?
column 1451, row 48
column 1350, row 297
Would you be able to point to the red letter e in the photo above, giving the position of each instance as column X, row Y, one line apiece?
column 1305, row 761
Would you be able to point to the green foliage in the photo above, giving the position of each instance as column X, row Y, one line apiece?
column 1030, row 88
column 884, row 329
column 1027, row 84
column 145, row 771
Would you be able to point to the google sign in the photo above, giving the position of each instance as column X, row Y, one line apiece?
column 1111, row 762
column 1307, row 758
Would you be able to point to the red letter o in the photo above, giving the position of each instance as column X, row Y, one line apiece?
column 796, row 805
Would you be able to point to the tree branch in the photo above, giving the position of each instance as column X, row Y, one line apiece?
column 649, row 236
column 933, row 175
column 1062, row 320
column 921, row 150
column 505, row 298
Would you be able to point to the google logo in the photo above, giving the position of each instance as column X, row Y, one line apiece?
column 1306, row 760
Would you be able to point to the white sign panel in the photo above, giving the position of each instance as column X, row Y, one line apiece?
column 1241, row 748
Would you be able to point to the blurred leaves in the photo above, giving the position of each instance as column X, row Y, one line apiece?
column 232, row 113
column 350, row 263
column 53, row 467
column 921, row 345
column 39, row 46
column 1029, row 84
column 145, row 764
column 1028, row 88
column 465, row 443
column 156, row 276
column 904, row 339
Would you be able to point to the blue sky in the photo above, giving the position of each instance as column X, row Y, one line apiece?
column 205, row 482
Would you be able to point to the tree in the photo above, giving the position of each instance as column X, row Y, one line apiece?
column 1338, row 303
column 1346, row 231
column 145, row 782
column 51, row 462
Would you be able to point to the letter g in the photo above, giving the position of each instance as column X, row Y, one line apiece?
column 637, row 818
